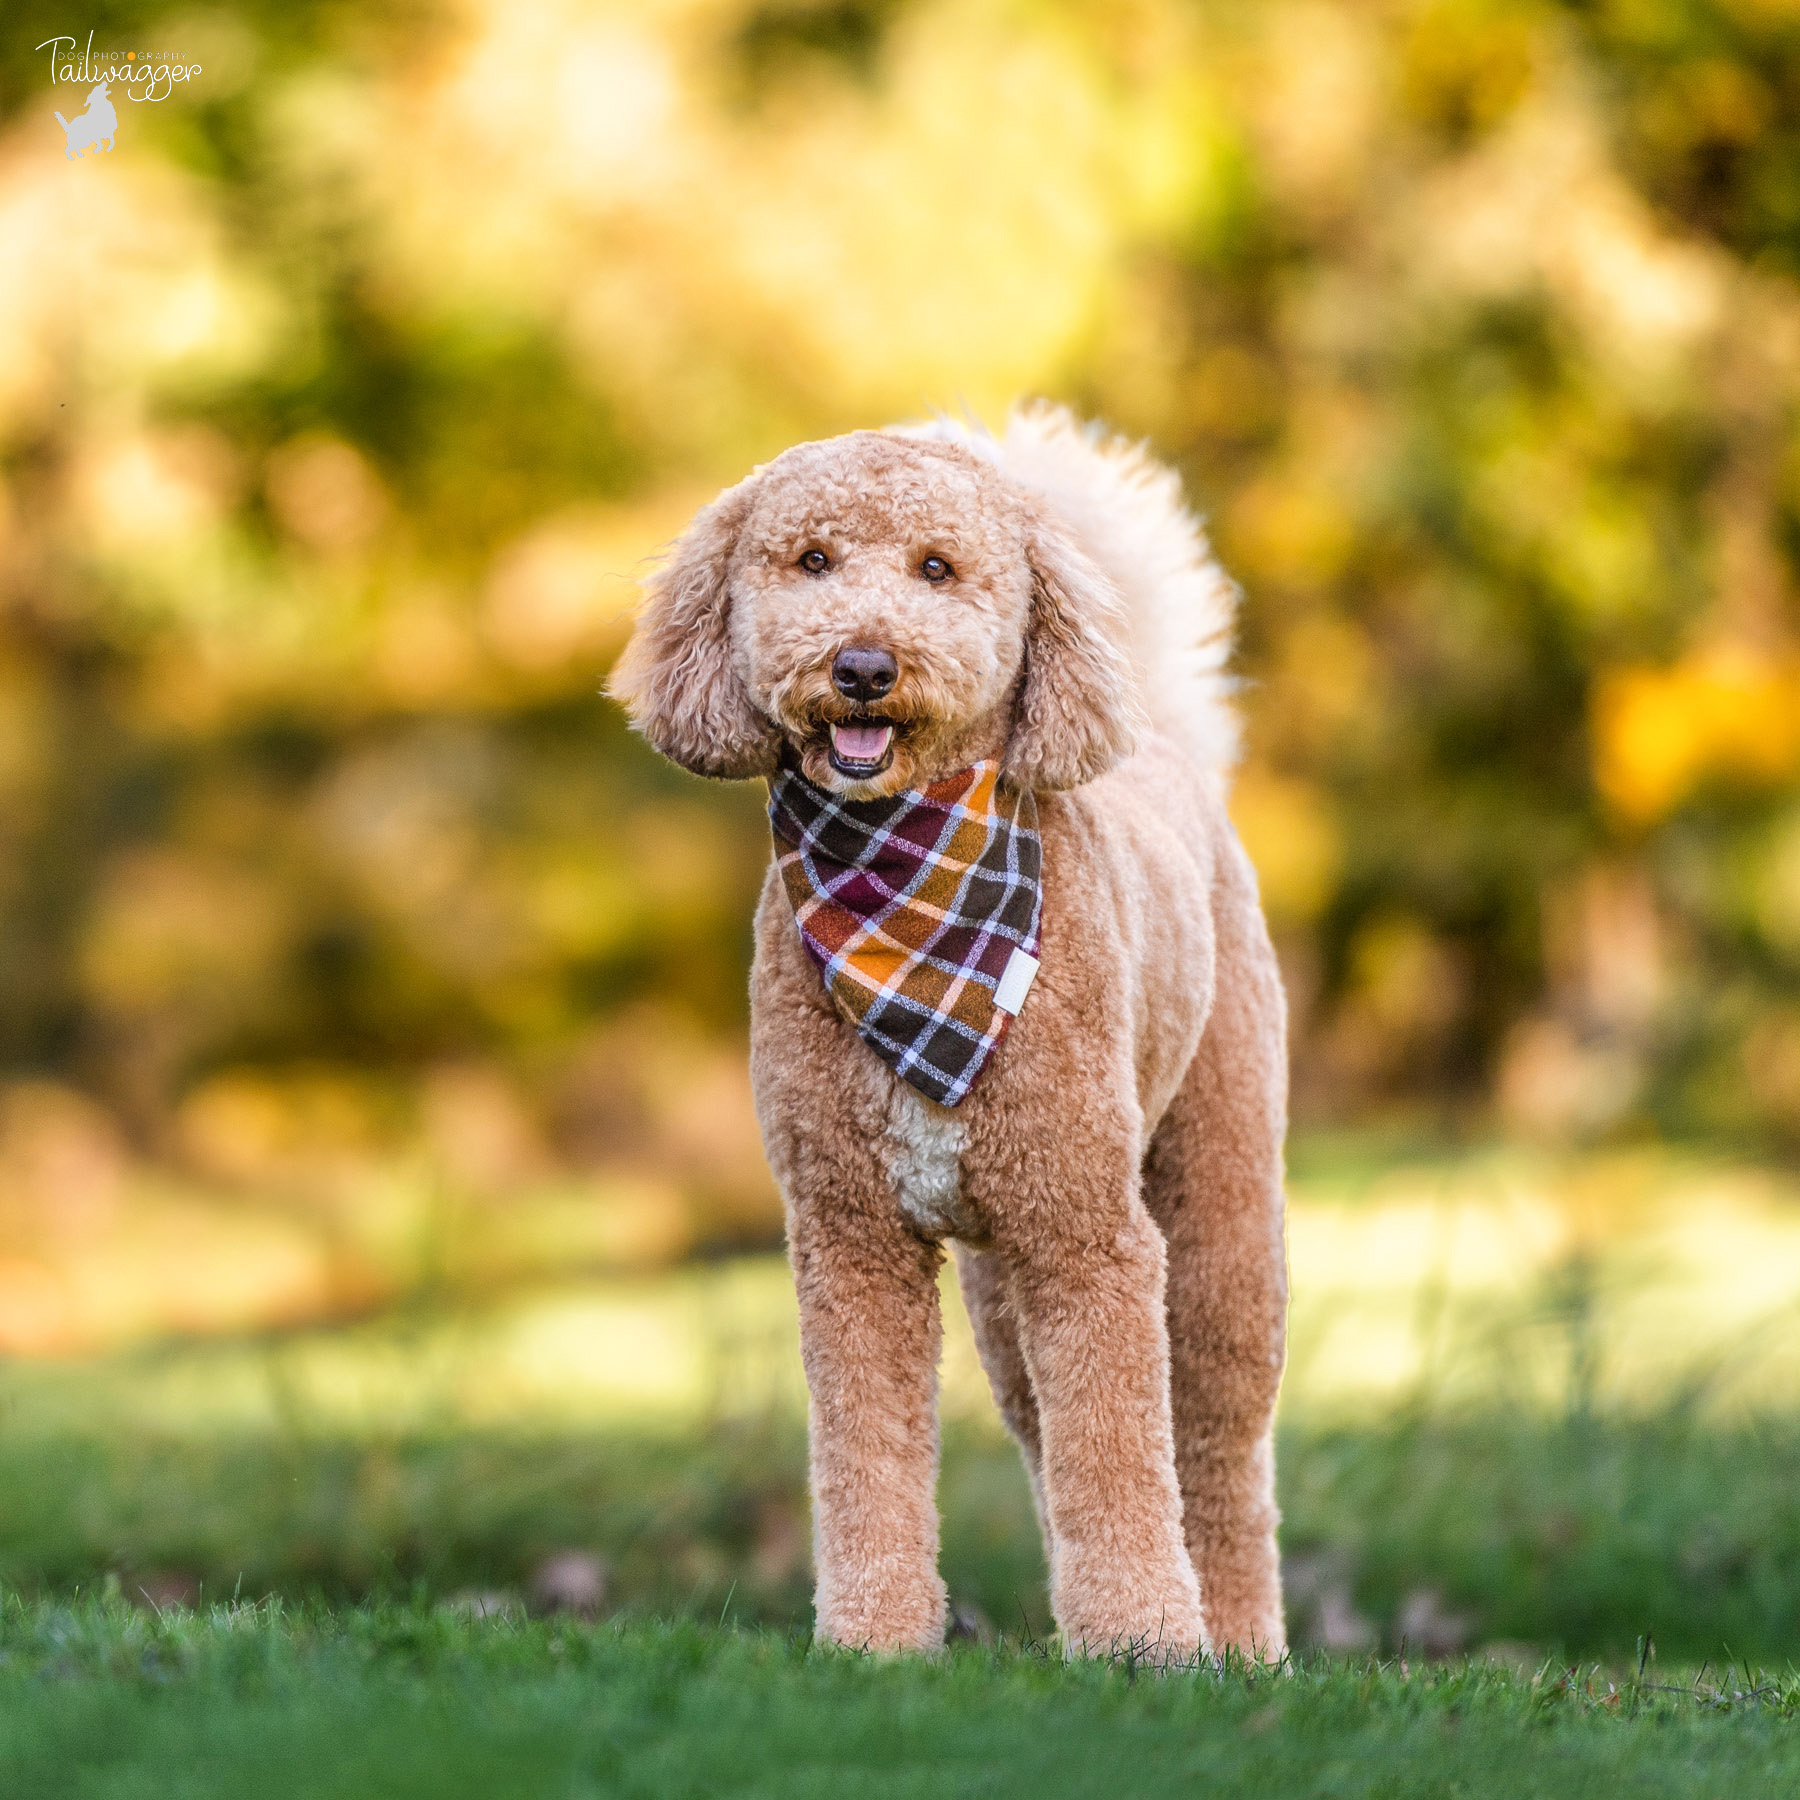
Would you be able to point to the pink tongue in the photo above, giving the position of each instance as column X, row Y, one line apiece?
column 861, row 743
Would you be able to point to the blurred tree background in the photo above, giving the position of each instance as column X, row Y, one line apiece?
column 342, row 406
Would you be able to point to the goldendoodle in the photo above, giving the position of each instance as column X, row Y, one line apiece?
column 1013, row 991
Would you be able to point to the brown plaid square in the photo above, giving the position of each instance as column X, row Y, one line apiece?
column 921, row 911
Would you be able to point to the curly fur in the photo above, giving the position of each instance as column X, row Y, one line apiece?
column 1113, row 1185
column 1126, row 509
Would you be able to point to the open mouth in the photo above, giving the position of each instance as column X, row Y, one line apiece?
column 861, row 751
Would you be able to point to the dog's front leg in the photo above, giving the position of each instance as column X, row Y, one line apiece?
column 867, row 1285
column 1087, row 1264
column 1094, row 1334
column 869, row 1337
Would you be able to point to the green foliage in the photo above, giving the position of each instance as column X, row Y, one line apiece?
column 1470, row 323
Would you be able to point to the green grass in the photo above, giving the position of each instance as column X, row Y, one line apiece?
column 103, row 1703
column 1556, row 1443
column 443, row 1452
column 1576, row 1534
column 1573, row 1537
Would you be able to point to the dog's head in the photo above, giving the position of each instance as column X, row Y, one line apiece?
column 889, row 609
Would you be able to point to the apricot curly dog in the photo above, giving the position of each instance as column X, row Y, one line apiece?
column 984, row 678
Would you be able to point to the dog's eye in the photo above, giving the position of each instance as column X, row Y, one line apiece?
column 934, row 568
column 815, row 562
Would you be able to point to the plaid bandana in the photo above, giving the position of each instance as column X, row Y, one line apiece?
column 921, row 911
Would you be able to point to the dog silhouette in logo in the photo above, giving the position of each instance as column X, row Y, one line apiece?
column 94, row 127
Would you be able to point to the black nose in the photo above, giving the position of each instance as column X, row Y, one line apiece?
column 863, row 673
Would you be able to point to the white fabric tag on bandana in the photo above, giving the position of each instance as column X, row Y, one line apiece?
column 1015, row 984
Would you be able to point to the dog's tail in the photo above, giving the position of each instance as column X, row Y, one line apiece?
column 64, row 123
column 1127, row 512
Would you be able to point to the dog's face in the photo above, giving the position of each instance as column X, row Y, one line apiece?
column 879, row 600
column 879, row 611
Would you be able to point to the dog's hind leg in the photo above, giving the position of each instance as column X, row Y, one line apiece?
column 987, row 1296
column 1213, row 1182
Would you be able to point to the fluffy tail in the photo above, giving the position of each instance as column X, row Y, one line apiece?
column 1127, row 512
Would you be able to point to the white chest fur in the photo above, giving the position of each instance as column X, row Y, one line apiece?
column 925, row 1145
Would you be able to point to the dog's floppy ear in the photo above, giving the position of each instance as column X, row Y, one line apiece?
column 676, row 679
column 1078, row 710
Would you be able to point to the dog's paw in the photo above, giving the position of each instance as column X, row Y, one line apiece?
column 894, row 1615
column 1148, row 1613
